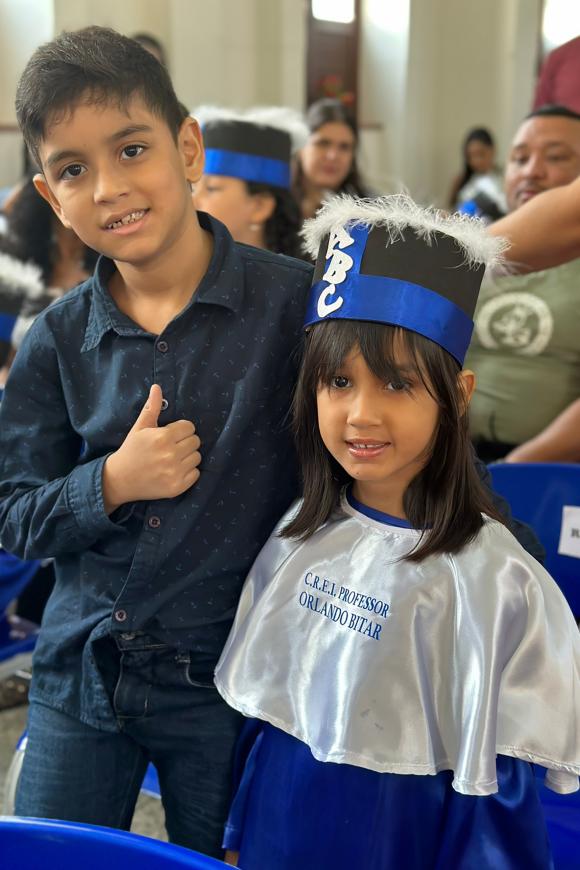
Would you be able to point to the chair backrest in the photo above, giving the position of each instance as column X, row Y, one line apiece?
column 537, row 494
column 28, row 844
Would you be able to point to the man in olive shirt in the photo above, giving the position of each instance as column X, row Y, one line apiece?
column 525, row 349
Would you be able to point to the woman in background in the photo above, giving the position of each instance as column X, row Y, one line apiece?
column 480, row 181
column 327, row 164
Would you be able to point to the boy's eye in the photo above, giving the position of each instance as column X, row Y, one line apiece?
column 72, row 171
column 339, row 382
column 131, row 151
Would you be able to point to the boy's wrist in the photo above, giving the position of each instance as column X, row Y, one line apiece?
column 112, row 496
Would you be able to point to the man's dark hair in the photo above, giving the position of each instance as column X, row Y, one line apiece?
column 446, row 499
column 553, row 110
column 96, row 65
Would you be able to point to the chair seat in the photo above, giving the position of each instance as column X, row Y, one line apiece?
column 28, row 844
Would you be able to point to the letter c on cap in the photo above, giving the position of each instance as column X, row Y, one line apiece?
column 323, row 309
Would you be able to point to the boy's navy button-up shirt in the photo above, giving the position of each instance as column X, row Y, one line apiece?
column 174, row 567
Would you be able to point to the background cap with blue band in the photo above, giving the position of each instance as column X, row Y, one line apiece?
column 250, row 151
column 389, row 261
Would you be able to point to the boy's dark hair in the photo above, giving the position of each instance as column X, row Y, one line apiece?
column 97, row 65
column 553, row 110
column 446, row 499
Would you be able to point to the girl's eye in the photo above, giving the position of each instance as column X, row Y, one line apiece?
column 72, row 171
column 339, row 382
column 131, row 151
column 398, row 386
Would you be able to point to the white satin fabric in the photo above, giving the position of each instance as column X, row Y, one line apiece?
column 458, row 658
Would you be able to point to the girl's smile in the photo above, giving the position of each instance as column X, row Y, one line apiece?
column 380, row 433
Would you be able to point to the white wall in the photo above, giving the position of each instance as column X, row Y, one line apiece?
column 429, row 69
column 438, row 69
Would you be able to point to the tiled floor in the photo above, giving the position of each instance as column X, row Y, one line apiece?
column 149, row 814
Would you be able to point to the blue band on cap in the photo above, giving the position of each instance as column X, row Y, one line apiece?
column 381, row 299
column 7, row 322
column 249, row 167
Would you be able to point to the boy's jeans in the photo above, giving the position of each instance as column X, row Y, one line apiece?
column 166, row 713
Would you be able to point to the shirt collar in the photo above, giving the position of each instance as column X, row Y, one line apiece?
column 222, row 284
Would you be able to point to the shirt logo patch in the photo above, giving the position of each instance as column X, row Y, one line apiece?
column 519, row 322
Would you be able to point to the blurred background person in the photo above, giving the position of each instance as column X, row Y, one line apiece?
column 478, row 189
column 34, row 235
column 559, row 79
column 246, row 181
column 151, row 44
column 526, row 344
column 327, row 164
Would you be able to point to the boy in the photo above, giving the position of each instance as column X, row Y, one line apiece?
column 143, row 444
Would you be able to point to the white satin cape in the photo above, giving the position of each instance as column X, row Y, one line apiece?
column 435, row 666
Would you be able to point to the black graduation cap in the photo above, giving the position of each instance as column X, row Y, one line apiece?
column 388, row 260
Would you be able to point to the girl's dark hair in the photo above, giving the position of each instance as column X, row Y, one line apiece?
column 329, row 111
column 282, row 227
column 446, row 499
column 478, row 134
column 29, row 235
column 94, row 64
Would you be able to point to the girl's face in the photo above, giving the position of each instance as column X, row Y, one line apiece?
column 229, row 200
column 479, row 156
column 378, row 432
column 327, row 157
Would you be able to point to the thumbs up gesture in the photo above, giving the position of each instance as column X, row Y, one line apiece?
column 152, row 462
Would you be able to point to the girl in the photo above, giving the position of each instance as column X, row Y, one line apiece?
column 480, row 184
column 247, row 176
column 405, row 658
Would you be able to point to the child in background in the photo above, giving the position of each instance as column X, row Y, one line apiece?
column 246, row 180
column 405, row 658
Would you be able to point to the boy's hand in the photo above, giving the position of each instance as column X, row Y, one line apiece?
column 152, row 462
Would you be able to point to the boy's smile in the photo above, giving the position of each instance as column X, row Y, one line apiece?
column 120, row 180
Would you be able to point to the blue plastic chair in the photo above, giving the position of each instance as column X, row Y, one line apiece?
column 536, row 493
column 28, row 844
column 17, row 636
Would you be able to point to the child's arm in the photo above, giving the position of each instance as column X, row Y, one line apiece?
column 52, row 503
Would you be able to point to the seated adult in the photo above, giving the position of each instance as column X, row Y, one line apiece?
column 526, row 344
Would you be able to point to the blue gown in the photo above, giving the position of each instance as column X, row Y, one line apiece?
column 292, row 811
column 394, row 709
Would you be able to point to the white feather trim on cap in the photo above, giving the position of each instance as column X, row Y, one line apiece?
column 279, row 117
column 20, row 278
column 399, row 211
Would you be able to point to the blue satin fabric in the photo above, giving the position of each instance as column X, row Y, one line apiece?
column 7, row 322
column 250, row 167
column 381, row 299
column 292, row 811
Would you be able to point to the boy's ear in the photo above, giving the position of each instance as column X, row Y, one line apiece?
column 467, row 386
column 46, row 193
column 190, row 144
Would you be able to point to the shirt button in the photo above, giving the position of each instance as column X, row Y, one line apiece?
column 154, row 522
column 164, row 404
column 120, row 615
column 162, row 346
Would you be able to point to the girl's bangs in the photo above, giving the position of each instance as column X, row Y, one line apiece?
column 390, row 352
